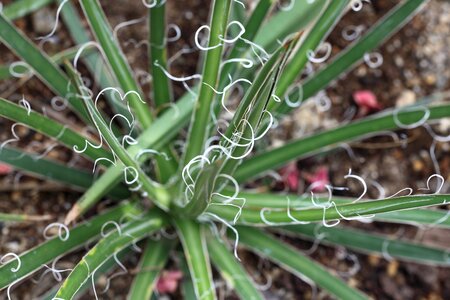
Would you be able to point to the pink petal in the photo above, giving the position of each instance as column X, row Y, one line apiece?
column 168, row 281
column 366, row 100
column 319, row 179
column 291, row 176
column 5, row 169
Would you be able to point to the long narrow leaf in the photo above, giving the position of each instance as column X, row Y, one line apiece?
column 109, row 265
column 300, row 148
column 295, row 262
column 163, row 130
column 116, row 59
column 50, row 128
column 378, row 33
column 44, row 68
column 158, row 194
column 21, row 8
column 93, row 60
column 152, row 262
column 286, row 216
column 202, row 111
column 8, row 217
column 55, row 171
column 370, row 243
column 318, row 32
column 286, row 22
column 436, row 217
column 107, row 247
column 161, row 87
column 35, row 258
column 232, row 270
column 192, row 237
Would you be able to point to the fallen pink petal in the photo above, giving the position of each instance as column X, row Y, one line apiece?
column 366, row 101
column 5, row 169
column 168, row 282
column 291, row 176
column 318, row 180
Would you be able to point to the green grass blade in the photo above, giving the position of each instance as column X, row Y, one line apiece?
column 309, row 145
column 33, row 259
column 296, row 263
column 371, row 243
column 158, row 193
column 50, row 128
column 232, row 270
column 21, row 8
column 42, row 65
column 192, row 236
column 152, row 262
column 378, row 33
column 285, row 216
column 438, row 218
column 107, row 247
column 55, row 171
column 314, row 36
column 198, row 132
column 116, row 59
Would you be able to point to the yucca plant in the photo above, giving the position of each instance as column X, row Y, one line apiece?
column 263, row 47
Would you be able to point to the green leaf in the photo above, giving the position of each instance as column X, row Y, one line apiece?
column 249, row 114
column 33, row 259
column 347, row 58
column 105, row 268
column 93, row 60
column 161, row 87
column 163, row 130
column 8, row 217
column 284, row 23
column 327, row 212
column 107, row 247
column 116, row 59
column 55, row 171
column 192, row 236
column 51, row 128
column 306, row 146
column 162, row 93
column 295, row 262
column 371, row 243
column 314, row 36
column 187, row 285
column 42, row 65
column 253, row 200
column 158, row 194
column 202, row 113
column 152, row 262
column 252, row 27
column 21, row 8
column 232, row 271
column 70, row 53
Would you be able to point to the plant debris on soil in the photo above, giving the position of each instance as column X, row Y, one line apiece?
column 415, row 64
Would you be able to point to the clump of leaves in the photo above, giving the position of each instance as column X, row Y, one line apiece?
column 200, row 188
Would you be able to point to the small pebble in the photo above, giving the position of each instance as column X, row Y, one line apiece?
column 407, row 97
